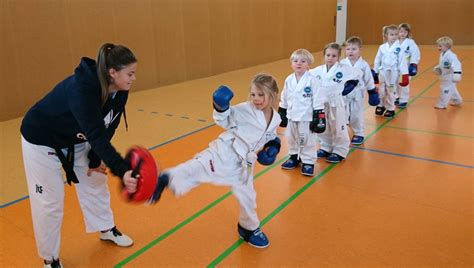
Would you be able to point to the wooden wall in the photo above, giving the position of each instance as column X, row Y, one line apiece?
column 174, row 40
column 430, row 19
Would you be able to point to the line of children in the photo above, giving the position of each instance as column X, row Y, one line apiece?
column 314, row 103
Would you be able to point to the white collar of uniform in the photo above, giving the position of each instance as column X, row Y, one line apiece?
column 331, row 71
column 347, row 61
column 261, row 117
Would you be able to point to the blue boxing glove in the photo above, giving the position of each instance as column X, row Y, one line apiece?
column 375, row 76
column 221, row 98
column 349, row 86
column 374, row 99
column 268, row 154
column 412, row 69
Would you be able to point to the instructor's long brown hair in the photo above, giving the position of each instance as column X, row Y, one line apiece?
column 112, row 56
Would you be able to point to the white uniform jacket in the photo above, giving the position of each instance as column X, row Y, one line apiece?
column 411, row 51
column 366, row 82
column 330, row 83
column 448, row 64
column 390, row 58
column 298, row 97
column 246, row 129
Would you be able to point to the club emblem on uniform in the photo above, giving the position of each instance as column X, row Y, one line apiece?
column 39, row 189
column 307, row 92
column 408, row 48
column 446, row 64
column 397, row 50
column 338, row 75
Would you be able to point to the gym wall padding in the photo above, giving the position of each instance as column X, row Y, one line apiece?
column 175, row 40
column 429, row 19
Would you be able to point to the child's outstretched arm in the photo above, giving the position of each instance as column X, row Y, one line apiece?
column 221, row 102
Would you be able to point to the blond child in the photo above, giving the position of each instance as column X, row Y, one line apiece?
column 296, row 110
column 449, row 70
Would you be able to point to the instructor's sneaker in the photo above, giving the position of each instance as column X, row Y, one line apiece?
column 307, row 170
column 291, row 163
column 397, row 102
column 255, row 238
column 54, row 264
column 357, row 140
column 161, row 184
column 334, row 158
column 321, row 153
column 114, row 235
column 389, row 114
column 379, row 110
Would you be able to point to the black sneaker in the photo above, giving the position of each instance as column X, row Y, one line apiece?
column 54, row 264
column 379, row 110
column 322, row 153
column 389, row 114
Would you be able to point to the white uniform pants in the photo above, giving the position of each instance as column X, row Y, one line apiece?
column 403, row 93
column 355, row 111
column 221, row 169
column 388, row 89
column 302, row 141
column 448, row 92
column 46, row 189
column 336, row 137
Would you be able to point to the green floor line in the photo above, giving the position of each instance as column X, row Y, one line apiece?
column 234, row 246
column 432, row 132
column 190, row 219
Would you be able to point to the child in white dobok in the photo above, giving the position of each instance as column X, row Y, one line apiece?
column 250, row 136
column 390, row 64
column 449, row 70
column 333, row 81
column 355, row 99
column 296, row 111
column 412, row 56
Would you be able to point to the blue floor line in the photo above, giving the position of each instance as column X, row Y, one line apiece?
column 14, row 201
column 413, row 157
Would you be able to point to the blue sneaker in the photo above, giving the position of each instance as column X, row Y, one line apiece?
column 334, row 158
column 402, row 105
column 291, row 163
column 255, row 238
column 357, row 140
column 163, row 180
column 322, row 153
column 307, row 170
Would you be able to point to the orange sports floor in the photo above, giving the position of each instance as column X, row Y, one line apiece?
column 403, row 199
